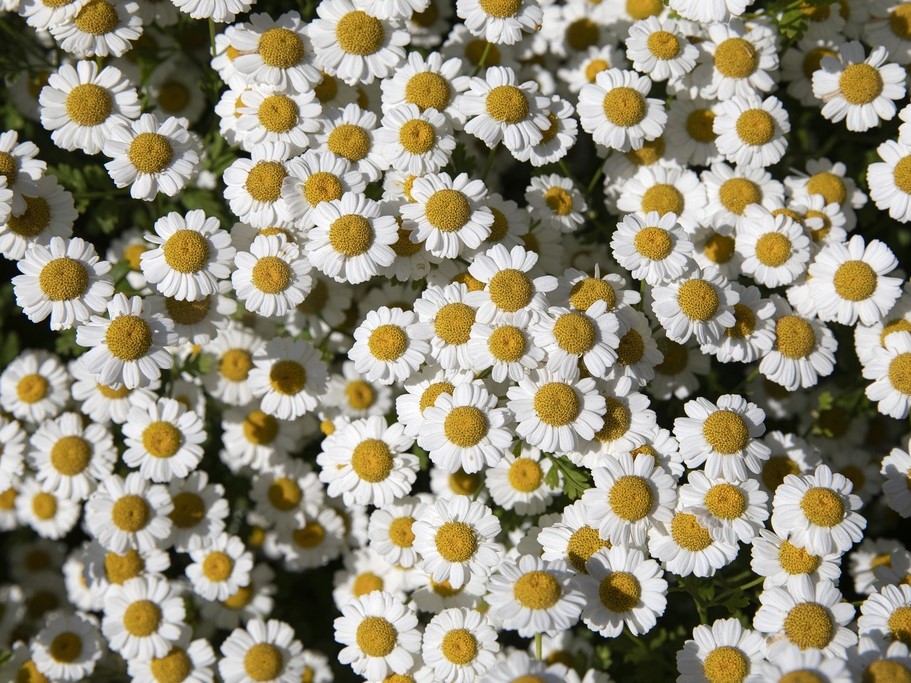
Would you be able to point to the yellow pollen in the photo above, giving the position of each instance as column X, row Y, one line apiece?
column 217, row 566
column 44, row 505
column 96, row 17
column 174, row 667
column 900, row 22
column 322, row 187
column 557, row 404
column 400, row 532
column 525, row 475
column 725, row 501
column 726, row 432
column 653, row 243
column 264, row 662
column 700, row 125
column 133, row 253
column 776, row 468
column 719, row 248
column 773, row 249
column 162, row 439
column 63, row 279
column 150, row 152
column 288, row 377
column 387, row 342
column 453, row 323
column 643, row 9
column 188, row 312
column 473, row 284
column 900, row 624
column 359, row 394
column 89, row 104
column 404, row 247
column 737, row 194
column 855, row 281
column 128, row 337
column 376, row 637
column 173, row 97
column 744, row 322
column 688, row 533
column 886, row 671
column 755, row 127
column 808, row 625
column 235, row 364
column 33, row 221
column 278, row 114
column 280, row 48
column 189, row 510
column 351, row 235
column 284, row 494
column 860, row 84
column 432, row 392
column 130, row 513
column 617, row 421
column 448, row 210
column 66, row 647
column 310, row 535
column 122, row 568
column 620, row 591
column 8, row 499
column 631, row 498
column 465, row 426
column 559, row 201
column 142, row 618
column 589, row 290
column 264, row 181
column 900, row 373
column 624, row 106
column 584, row 542
column 417, row 136
column 186, row 251
column 428, row 90
column 830, row 186
column 510, row 290
column 663, row 198
column 459, row 645
column 663, row 45
column 507, row 104
column 647, row 155
column 795, row 337
column 726, row 664
column 795, row 560
column 697, row 300
column 499, row 227
column 582, row 34
column 28, row 672
column 594, row 67
column 575, row 333
column 507, row 344
column 271, row 275
column 359, row 34
column 70, row 455
column 240, row 599
column 822, row 507
column 736, row 58
column 9, row 165
column 456, row 542
column 349, row 141
column 537, row 590
column 463, row 484
column 366, row 583
column 372, row 460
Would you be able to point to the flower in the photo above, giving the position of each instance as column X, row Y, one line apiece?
column 890, row 180
column 700, row 304
column 163, row 439
column 460, row 644
column 502, row 24
column 68, row 648
column 616, row 112
column 724, row 646
column 281, row 120
column 144, row 617
column 415, row 141
column 730, row 511
column 220, row 566
column 383, row 352
column 275, row 53
column 288, row 376
column 507, row 284
column 519, row 482
column 895, row 468
column 99, row 28
column 34, row 386
column 556, row 202
column 571, row 336
column 263, row 650
column 652, row 247
column 885, row 614
column 49, row 213
column 713, row 11
column 129, row 513
column 751, row 131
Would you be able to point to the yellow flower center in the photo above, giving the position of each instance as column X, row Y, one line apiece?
column 631, row 498
column 89, row 104
column 432, row 392
column 900, row 373
column 189, row 510
column 8, row 166
column 387, row 342
column 310, row 535
column 594, row 67
column 173, row 97
column 726, row 432
column 583, row 543
column 448, row 210
column 719, row 248
column 823, row 507
column 428, row 90
column 263, row 662
column 624, row 106
column 510, row 290
column 726, row 664
column 63, row 279
column 150, row 152
column 650, row 152
column 372, row 460
column 663, row 45
column 507, row 344
column 525, row 475
column 653, row 243
column 174, row 667
column 186, row 251
column 557, row 404
column 349, row 141
column 142, row 618
column 70, row 455
column 288, row 377
column 281, row 48
column 128, row 337
column 900, row 624
column 188, row 312
column 400, row 532
column 242, row 597
column 507, row 104
column 582, row 34
column 351, row 235
column 663, row 198
column 456, row 542
column 376, row 637
column 537, row 590
column 620, row 591
column 860, row 84
column 403, row 246
column 617, row 420
column 773, row 249
column 359, row 34
column 465, row 426
column 326, row 89
column 278, row 114
column 217, row 566
column 886, row 671
column 463, row 484
column 688, row 533
column 830, row 186
column 795, row 560
column 366, row 583
column 589, row 290
column 322, row 187
column 700, row 125
column 697, row 300
column 235, row 364
column 900, row 22
column 359, row 394
column 121, row 568
column 737, row 194
column 855, row 281
column 162, row 439
column 130, row 513
column 453, row 323
column 28, row 672
column 755, row 127
column 459, row 645
column 96, row 17
column 744, row 322
column 575, row 333
column 808, row 625
column 725, row 501
column 559, row 200
column 643, row 9
column 284, row 494
column 271, row 275
column 795, row 337
column 736, row 58
column 33, row 221
column 417, row 136
column 264, row 181
column 44, row 505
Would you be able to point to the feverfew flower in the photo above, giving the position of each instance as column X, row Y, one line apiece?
column 616, row 111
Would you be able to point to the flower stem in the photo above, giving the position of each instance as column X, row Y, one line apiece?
column 538, row 646
column 490, row 157
column 212, row 35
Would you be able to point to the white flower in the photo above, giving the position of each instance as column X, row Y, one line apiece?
column 288, row 376
column 220, row 566
column 460, row 645
column 659, row 49
column 895, row 468
column 49, row 212
column 699, row 304
column 197, row 658
column 49, row 515
column 742, row 59
column 199, row 510
column 129, row 513
column 81, row 105
column 272, row 277
column 665, row 189
column 731, row 190
column 152, row 156
column 884, row 614
column 272, row 116
column 858, row 88
column 144, row 617
column 570, row 336
column 275, row 53
column 804, row 350
column 507, row 283
column 504, row 346
column 128, row 346
column 731, row 511
column 390, row 531
column 782, row 563
column 685, row 546
column 723, row 647
column 710, row 12
column 68, row 648
column 262, row 651
column 890, row 180
column 99, row 28
column 415, row 141
column 652, row 247
column 622, row 588
column 774, row 247
column 428, row 82
column 790, row 659
column 556, row 202
column 33, row 387
column 616, row 111
column 382, row 350
column 751, row 131
column 752, row 335
column 163, row 440
column 505, row 23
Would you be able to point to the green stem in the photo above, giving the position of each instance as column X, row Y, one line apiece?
column 594, row 180
column 490, row 157
column 746, row 380
column 539, row 645
column 740, row 588
column 212, row 35
column 482, row 59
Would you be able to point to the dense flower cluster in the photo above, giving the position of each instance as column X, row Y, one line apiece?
column 518, row 406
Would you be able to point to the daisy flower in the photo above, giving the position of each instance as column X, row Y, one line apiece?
column 261, row 651
column 285, row 492
column 128, row 346
column 659, row 49
column 886, row 614
column 731, row 190
column 895, row 469
column 804, row 350
column 272, row 277
column 379, row 635
column 430, row 82
column 724, row 436
column 848, row 282
column 628, row 497
column 367, row 463
column 504, row 23
column 354, row 45
column 751, row 131
column 390, row 531
column 891, row 375
column 64, row 280
column 508, row 286
column 628, row 423
column 721, row 649
column 808, row 615
column 685, row 546
column 621, row 588
column 572, row 538
column 713, row 11
column 752, row 335
column 818, row 511
column 556, row 202
column 448, row 213
column 861, row 89
column 699, row 304
column 533, row 596
column 583, row 68
column 232, row 350
column 199, row 510
column 731, row 511
column 570, row 336
column 152, row 156
column 196, row 659
column 517, row 482
column 415, row 141
column 254, row 186
column 351, row 239
column 652, row 247
column 264, row 115
column 455, row 540
column 665, row 189
column 460, row 645
column 275, row 52
column 463, row 429
column 129, row 513
column 504, row 346
column 616, row 111
column 775, row 249
column 382, row 351
column 313, row 178
column 144, row 617
column 13, row 437
column 518, row 663
column 690, row 132
column 69, row 459
column 355, row 396
column 890, row 180
column 34, row 386
column 422, row 390
column 20, row 169
column 163, row 440
column 288, row 377
column 743, row 57
column 782, row 563
column 219, row 567
column 49, row 213
column 47, row 514
column 42, row 16
column 192, row 255
column 68, row 648
column 82, row 104
column 99, row 28
column 873, row 657
column 501, row 109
